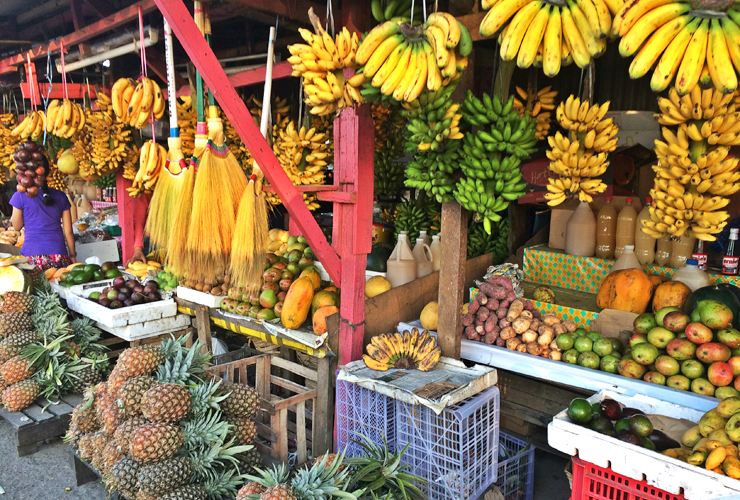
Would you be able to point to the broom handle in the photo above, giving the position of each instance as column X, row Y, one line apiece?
column 268, row 84
column 199, row 79
column 174, row 126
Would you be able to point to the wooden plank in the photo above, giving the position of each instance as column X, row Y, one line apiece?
column 202, row 324
column 266, row 432
column 526, row 413
column 55, row 409
column 178, row 16
column 83, row 472
column 290, row 9
column 16, row 418
column 323, row 417
column 257, row 75
column 514, row 424
column 349, row 197
column 509, row 382
column 452, row 278
column 287, row 384
column 293, row 400
column 36, row 412
column 300, row 423
column 301, row 370
column 73, row 399
column 280, row 425
column 43, row 431
column 293, row 429
column 131, row 13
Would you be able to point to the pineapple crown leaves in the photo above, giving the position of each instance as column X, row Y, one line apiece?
column 323, row 483
column 209, row 460
column 223, row 484
column 182, row 364
column 86, row 333
column 207, row 430
column 203, row 398
column 278, row 474
column 52, row 324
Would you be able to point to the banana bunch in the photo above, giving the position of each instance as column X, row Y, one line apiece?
column 135, row 103
column 417, row 215
column 309, row 199
column 388, row 173
column 688, row 44
column 106, row 145
column 321, row 62
column 404, row 351
column 587, row 124
column 187, row 118
column 396, row 10
column 401, row 61
column 302, row 154
column 33, row 126
column 325, row 125
column 480, row 243
column 56, row 179
column 103, row 102
column 105, row 181
column 539, row 106
column 550, row 35
column 279, row 110
column 8, row 142
column 694, row 175
column 381, row 115
column 152, row 160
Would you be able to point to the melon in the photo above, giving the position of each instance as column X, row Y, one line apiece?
column 429, row 316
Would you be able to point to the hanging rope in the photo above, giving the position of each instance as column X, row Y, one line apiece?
column 329, row 15
column 31, row 90
column 64, row 72
column 144, row 73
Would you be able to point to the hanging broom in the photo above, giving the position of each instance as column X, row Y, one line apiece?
column 249, row 248
column 162, row 208
column 218, row 188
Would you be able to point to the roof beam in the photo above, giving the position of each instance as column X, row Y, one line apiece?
column 102, row 9
column 126, row 15
column 296, row 10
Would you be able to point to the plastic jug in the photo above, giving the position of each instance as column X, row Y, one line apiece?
column 580, row 232
column 401, row 266
column 436, row 247
column 424, row 237
column 626, row 223
column 644, row 243
column 691, row 276
column 90, row 191
column 628, row 260
column 663, row 253
column 83, row 205
column 606, row 230
column 424, row 258
column 681, row 250
column 72, row 208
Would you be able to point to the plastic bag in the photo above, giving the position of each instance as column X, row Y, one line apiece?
column 218, row 346
column 511, row 271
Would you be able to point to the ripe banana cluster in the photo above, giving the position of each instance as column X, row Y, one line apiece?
column 321, row 62
column 136, row 103
column 694, row 175
column 587, row 124
column 103, row 147
column 56, row 179
column 401, row 61
column 324, row 125
column 397, row 10
column 152, row 160
column 405, row 351
column 187, row 118
column 279, row 110
column 302, row 154
column 8, row 142
column 539, row 106
column 689, row 43
column 414, row 216
column 104, row 102
column 496, row 243
column 33, row 126
column 547, row 34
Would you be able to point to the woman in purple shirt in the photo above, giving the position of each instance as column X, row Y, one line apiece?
column 48, row 225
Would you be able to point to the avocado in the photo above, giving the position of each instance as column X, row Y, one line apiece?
column 98, row 275
column 82, row 277
column 580, row 411
column 113, row 273
column 622, row 424
column 641, row 425
column 601, row 424
column 662, row 441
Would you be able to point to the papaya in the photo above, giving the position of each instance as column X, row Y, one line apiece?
column 313, row 274
column 657, row 279
column 626, row 290
column 670, row 293
column 319, row 318
column 297, row 303
column 324, row 298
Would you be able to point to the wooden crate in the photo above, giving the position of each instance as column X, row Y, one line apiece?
column 34, row 425
column 117, row 345
column 282, row 417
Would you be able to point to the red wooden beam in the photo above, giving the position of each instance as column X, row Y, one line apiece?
column 257, row 75
column 75, row 90
column 205, row 61
column 122, row 17
column 75, row 6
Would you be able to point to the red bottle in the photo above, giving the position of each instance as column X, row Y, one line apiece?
column 700, row 255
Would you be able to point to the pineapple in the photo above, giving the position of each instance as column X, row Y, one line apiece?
column 123, row 432
column 140, row 495
column 3, row 385
column 14, row 322
column 99, row 441
column 115, row 381
column 84, row 446
column 249, row 489
column 321, row 479
column 131, row 392
column 137, row 361
column 189, row 492
column 242, row 401
column 152, row 442
column 11, row 345
column 279, row 492
column 109, row 415
column 159, row 478
column 166, row 403
column 87, row 376
column 269, row 479
column 16, row 369
column 243, row 430
column 19, row 396
column 84, row 418
column 16, row 302
column 125, row 475
column 111, row 455
column 251, row 461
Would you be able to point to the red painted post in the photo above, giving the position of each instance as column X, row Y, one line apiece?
column 183, row 26
column 353, row 160
column 125, row 216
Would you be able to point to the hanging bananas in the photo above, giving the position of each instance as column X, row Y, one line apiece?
column 151, row 162
column 549, row 35
column 279, row 113
column 395, row 10
column 321, row 63
column 34, row 123
column 388, row 174
column 479, row 242
column 400, row 61
column 693, row 43
column 104, row 102
column 8, row 142
column 103, row 146
column 694, row 175
column 134, row 104
column 414, row 216
column 539, row 106
column 187, row 118
column 580, row 159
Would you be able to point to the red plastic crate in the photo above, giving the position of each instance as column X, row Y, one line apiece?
column 591, row 482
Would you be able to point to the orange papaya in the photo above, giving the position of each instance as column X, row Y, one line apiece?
column 297, row 303
column 313, row 274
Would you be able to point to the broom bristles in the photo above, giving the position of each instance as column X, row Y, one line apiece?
column 176, row 255
column 249, row 248
column 162, row 208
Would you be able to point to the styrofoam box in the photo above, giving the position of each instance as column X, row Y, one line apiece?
column 64, row 291
column 147, row 329
column 124, row 316
column 638, row 463
column 325, row 276
column 204, row 299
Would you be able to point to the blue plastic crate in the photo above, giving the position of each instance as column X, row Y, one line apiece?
column 366, row 412
column 515, row 476
column 456, row 452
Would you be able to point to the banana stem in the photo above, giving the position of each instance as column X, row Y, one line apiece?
column 696, row 149
column 581, row 137
column 503, row 80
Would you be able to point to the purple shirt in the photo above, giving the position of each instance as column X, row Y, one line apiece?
column 44, row 233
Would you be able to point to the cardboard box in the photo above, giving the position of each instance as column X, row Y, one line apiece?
column 106, row 251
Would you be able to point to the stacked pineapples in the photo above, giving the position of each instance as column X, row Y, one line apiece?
column 161, row 428
column 42, row 353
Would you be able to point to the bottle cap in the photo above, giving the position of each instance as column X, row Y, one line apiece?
column 692, row 262
column 648, row 200
column 629, row 200
column 629, row 247
column 608, row 198
column 734, row 231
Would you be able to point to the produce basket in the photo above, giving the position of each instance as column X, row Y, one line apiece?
column 637, row 463
column 366, row 412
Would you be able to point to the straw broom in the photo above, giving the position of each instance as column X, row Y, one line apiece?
column 249, row 248
column 167, row 191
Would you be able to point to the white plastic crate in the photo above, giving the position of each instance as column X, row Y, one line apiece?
column 456, row 452
column 366, row 412
column 204, row 299
column 515, row 476
column 120, row 317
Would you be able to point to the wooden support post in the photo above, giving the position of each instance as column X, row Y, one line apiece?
column 125, row 216
column 203, row 325
column 354, row 153
column 323, row 419
column 452, row 278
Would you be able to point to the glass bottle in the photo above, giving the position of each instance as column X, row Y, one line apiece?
column 606, row 230
column 626, row 223
column 644, row 243
column 700, row 255
column 730, row 259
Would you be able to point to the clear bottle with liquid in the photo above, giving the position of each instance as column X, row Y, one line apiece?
column 644, row 243
column 626, row 223
column 580, row 232
column 681, row 250
column 436, row 247
column 691, row 276
column 424, row 258
column 628, row 260
column 606, row 230
column 663, row 252
column 425, row 237
column 401, row 266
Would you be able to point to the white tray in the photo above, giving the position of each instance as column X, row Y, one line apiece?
column 148, row 329
column 124, row 316
column 638, row 463
column 204, row 299
column 64, row 291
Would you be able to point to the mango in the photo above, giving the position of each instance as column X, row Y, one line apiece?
column 691, row 437
column 711, row 421
column 712, row 445
column 673, row 453
column 698, row 457
column 719, row 436
column 731, row 467
column 700, row 444
column 715, row 458
column 728, row 407
column 731, row 450
column 733, row 428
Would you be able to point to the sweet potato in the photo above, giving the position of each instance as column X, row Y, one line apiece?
column 511, row 343
column 529, row 336
column 493, row 291
column 528, row 305
column 500, row 342
column 504, row 323
column 534, row 348
column 545, row 339
column 546, row 330
column 501, row 281
column 521, row 325
column 491, row 337
column 559, row 328
column 480, row 328
column 481, row 298
column 503, row 304
column 492, row 304
column 570, row 325
column 475, row 337
column 515, row 309
column 501, row 312
column 550, row 319
column 521, row 347
column 470, row 333
column 490, row 324
column 483, row 314
column 508, row 333
column 473, row 307
column 555, row 355
column 468, row 319
column 511, row 296
column 536, row 313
